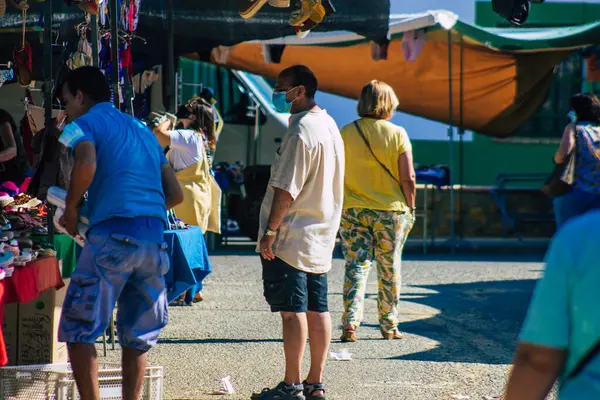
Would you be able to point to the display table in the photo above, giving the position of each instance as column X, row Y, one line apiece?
column 25, row 285
column 66, row 250
column 189, row 260
column 187, row 254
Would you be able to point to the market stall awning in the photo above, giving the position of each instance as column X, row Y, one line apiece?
column 503, row 74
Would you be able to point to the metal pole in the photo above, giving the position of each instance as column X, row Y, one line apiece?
column 451, row 140
column 172, row 99
column 114, row 47
column 48, row 81
column 461, row 133
column 94, row 29
column 48, row 90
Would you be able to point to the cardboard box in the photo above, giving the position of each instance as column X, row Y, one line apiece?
column 38, row 329
column 10, row 332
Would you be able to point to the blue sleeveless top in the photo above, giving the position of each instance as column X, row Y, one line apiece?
column 587, row 158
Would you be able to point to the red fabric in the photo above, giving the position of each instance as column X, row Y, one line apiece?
column 130, row 14
column 126, row 60
column 22, row 286
column 49, row 275
column 25, row 285
column 25, row 185
column 3, row 354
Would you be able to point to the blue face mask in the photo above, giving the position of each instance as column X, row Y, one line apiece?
column 280, row 101
column 572, row 116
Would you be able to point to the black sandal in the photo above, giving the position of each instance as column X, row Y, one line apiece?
column 280, row 392
column 309, row 391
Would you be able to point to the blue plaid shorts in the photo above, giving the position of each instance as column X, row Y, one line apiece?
column 117, row 269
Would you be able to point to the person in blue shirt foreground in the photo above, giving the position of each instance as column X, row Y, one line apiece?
column 130, row 186
column 563, row 322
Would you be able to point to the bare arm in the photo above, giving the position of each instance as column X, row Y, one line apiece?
column 220, row 124
column 567, row 144
column 162, row 133
column 535, row 370
column 171, row 188
column 281, row 204
column 84, row 169
column 8, row 140
column 408, row 180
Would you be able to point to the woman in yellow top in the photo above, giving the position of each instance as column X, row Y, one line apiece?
column 379, row 205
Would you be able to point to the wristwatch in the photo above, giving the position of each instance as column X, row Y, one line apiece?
column 270, row 232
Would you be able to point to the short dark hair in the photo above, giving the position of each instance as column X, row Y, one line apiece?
column 92, row 83
column 587, row 107
column 302, row 76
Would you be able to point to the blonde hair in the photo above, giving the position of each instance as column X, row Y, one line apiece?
column 377, row 100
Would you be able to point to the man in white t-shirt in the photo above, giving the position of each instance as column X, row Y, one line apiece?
column 299, row 220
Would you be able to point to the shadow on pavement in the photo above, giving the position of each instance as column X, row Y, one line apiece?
column 217, row 341
column 477, row 322
column 481, row 254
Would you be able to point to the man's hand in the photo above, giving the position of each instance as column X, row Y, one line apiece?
column 69, row 220
column 266, row 247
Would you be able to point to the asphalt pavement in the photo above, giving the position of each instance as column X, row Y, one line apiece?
column 461, row 316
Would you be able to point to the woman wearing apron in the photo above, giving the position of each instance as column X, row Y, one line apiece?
column 191, row 147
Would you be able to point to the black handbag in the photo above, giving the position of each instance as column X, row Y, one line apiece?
column 561, row 180
column 589, row 356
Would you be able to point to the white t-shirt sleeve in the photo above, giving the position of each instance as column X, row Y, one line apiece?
column 184, row 140
column 186, row 148
column 292, row 168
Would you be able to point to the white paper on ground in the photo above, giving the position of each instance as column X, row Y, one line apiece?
column 226, row 387
column 343, row 355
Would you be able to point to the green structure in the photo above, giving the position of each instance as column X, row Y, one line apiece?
column 532, row 147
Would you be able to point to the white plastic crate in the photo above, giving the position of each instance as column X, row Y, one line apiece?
column 56, row 382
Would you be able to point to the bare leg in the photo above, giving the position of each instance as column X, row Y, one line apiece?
column 295, row 333
column 84, row 362
column 134, row 369
column 319, row 332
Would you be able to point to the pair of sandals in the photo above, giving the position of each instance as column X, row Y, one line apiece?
column 180, row 301
column 349, row 335
column 282, row 391
column 306, row 15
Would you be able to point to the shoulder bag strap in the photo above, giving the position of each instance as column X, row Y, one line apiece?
column 589, row 356
column 362, row 135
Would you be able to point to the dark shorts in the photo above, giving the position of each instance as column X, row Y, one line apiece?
column 288, row 289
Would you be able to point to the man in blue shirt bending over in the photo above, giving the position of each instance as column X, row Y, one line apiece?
column 130, row 186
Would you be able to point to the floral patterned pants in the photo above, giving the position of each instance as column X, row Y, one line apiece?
column 373, row 236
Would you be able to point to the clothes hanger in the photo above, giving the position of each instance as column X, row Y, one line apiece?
column 139, row 38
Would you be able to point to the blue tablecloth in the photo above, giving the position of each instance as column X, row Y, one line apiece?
column 189, row 260
column 438, row 175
